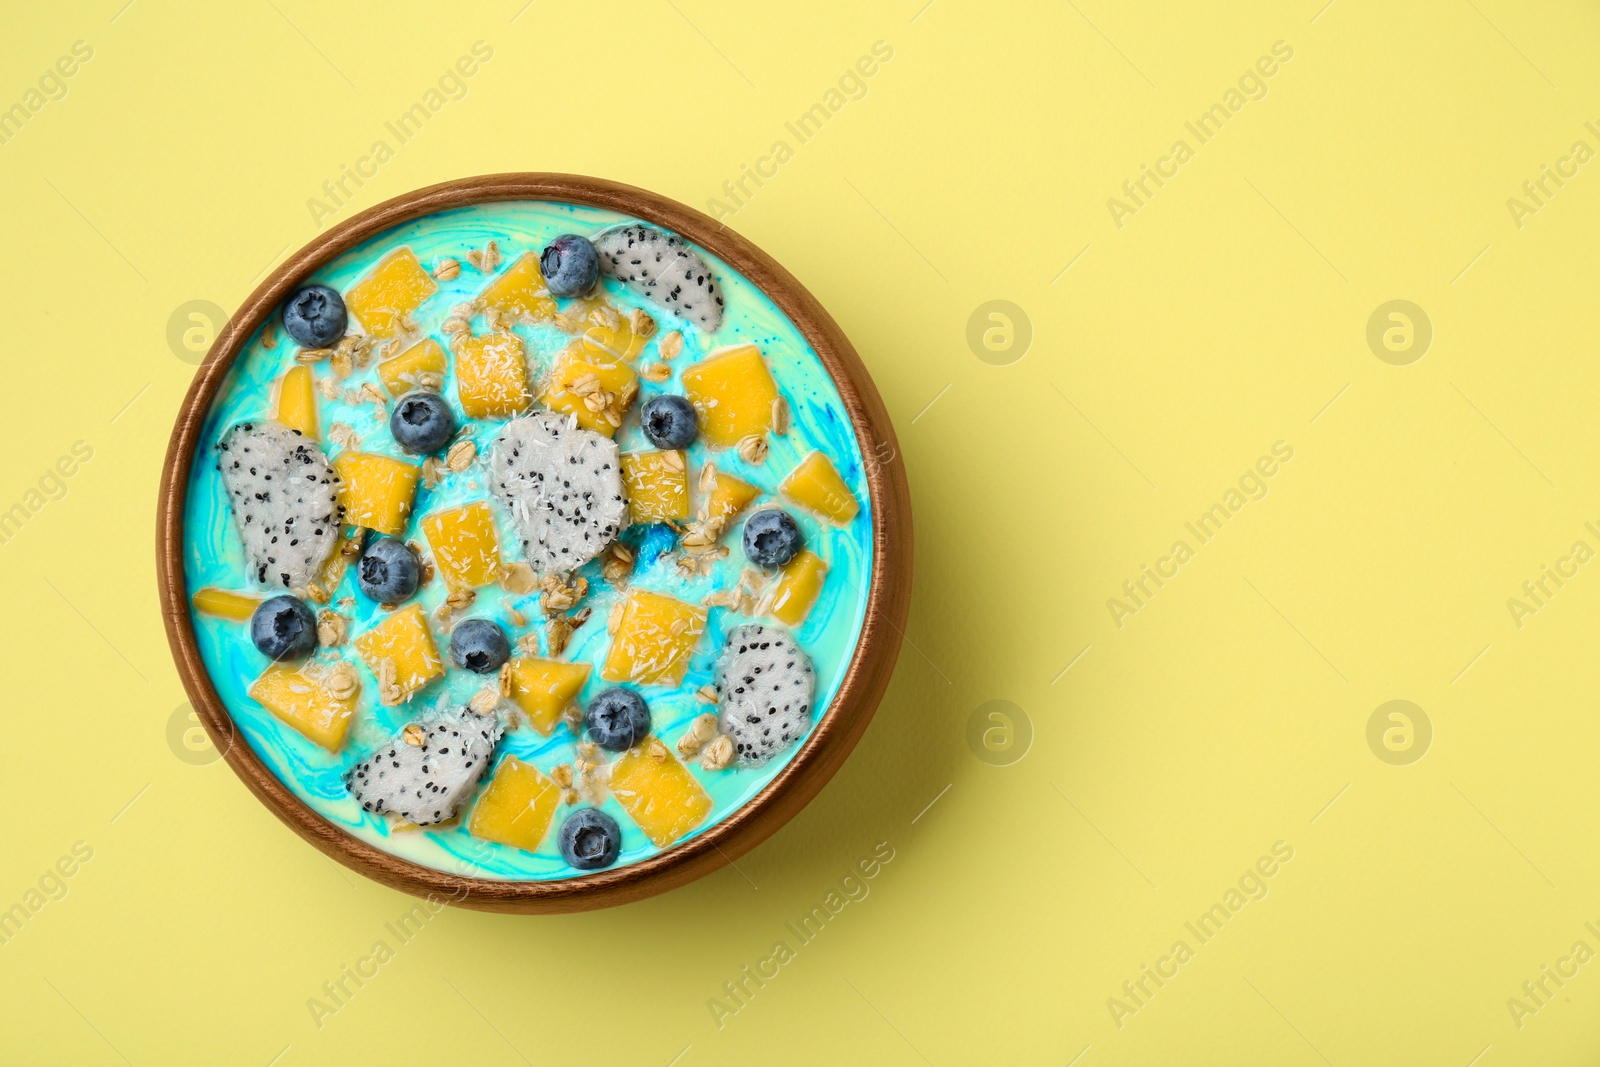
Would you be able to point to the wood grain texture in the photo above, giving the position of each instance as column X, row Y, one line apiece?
column 846, row 718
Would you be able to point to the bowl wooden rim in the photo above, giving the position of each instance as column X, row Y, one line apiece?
column 888, row 599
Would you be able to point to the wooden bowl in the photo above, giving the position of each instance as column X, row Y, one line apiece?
column 840, row 726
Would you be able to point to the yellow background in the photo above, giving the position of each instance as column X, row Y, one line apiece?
column 1229, row 713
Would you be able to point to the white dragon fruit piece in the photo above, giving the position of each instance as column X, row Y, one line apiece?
column 563, row 485
column 764, row 685
column 662, row 267
column 285, row 501
column 425, row 773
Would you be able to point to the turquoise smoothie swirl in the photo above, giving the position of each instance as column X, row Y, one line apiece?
column 214, row 554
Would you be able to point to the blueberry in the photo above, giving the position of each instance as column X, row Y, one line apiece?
column 772, row 538
column 283, row 627
column 479, row 646
column 590, row 839
column 388, row 571
column 315, row 316
column 618, row 719
column 569, row 265
column 669, row 421
column 422, row 422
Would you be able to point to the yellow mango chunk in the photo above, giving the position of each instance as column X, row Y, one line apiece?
column 305, row 704
column 817, row 486
column 618, row 342
column 385, row 298
column 517, row 807
column 297, row 401
column 376, row 491
column 658, row 793
column 729, row 496
column 573, row 381
column 605, row 329
column 404, row 642
column 798, row 585
column 520, row 293
column 225, row 605
column 466, row 548
column 399, row 374
column 654, row 638
column 732, row 392
column 336, row 564
column 492, row 375
column 658, row 485
column 544, row 687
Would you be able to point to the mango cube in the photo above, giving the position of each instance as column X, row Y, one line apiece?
column 606, row 331
column 376, row 491
column 798, row 585
column 225, row 605
column 385, row 298
column 816, row 485
column 582, row 377
column 654, row 638
column 619, row 342
column 517, row 807
column 466, row 548
column 521, row 292
column 658, row 793
column 401, row 644
column 658, row 485
column 336, row 564
column 733, row 393
column 729, row 496
column 492, row 375
column 544, row 687
column 305, row 703
column 297, row 401
column 399, row 374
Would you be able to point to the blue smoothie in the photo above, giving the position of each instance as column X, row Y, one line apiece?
column 214, row 554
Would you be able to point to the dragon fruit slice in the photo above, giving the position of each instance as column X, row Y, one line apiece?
column 661, row 267
column 763, row 686
column 424, row 774
column 563, row 485
column 284, row 501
